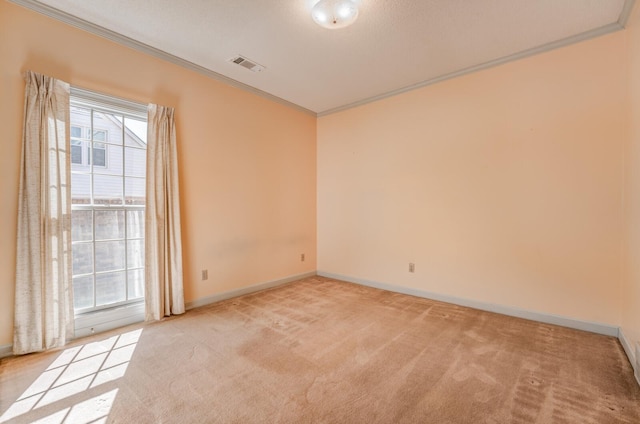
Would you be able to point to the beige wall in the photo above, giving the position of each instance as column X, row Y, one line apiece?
column 248, row 165
column 631, row 285
column 503, row 186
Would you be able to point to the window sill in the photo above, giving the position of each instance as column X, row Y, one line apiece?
column 108, row 319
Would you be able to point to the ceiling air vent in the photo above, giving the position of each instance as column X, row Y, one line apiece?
column 247, row 63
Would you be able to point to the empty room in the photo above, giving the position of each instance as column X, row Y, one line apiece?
column 320, row 211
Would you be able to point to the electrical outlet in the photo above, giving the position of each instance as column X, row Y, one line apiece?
column 302, row 257
column 205, row 274
column 412, row 267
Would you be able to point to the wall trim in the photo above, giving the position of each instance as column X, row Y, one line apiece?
column 637, row 363
column 631, row 355
column 627, row 348
column 203, row 301
column 152, row 51
column 593, row 327
column 6, row 350
column 100, row 31
column 597, row 32
column 626, row 12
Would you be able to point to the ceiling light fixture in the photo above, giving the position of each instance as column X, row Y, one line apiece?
column 335, row 14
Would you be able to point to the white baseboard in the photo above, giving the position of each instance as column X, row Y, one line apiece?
column 627, row 348
column 594, row 327
column 6, row 350
column 246, row 290
column 85, row 326
column 637, row 363
column 632, row 354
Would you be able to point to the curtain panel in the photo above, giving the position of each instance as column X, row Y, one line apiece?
column 44, row 294
column 164, row 294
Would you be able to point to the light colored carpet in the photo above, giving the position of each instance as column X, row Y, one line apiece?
column 325, row 351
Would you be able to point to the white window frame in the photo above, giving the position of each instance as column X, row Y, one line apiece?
column 114, row 315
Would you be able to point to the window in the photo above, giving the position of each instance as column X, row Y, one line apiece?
column 76, row 145
column 86, row 143
column 99, row 135
column 99, row 151
column 108, row 157
column 76, row 152
column 99, row 155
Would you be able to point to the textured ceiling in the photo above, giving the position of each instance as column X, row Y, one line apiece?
column 394, row 45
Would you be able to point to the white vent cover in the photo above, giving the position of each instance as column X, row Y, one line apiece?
column 247, row 63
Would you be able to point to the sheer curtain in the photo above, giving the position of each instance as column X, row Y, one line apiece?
column 43, row 300
column 164, row 294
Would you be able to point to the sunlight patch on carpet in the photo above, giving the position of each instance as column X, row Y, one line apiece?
column 73, row 372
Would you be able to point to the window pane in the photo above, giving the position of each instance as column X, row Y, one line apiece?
column 108, row 159
column 82, row 258
column 99, row 155
column 107, row 190
column 76, row 152
column 80, row 118
column 135, row 254
column 99, row 135
column 135, row 132
column 110, row 288
column 136, row 283
column 79, row 155
column 81, row 225
column 109, row 255
column 83, row 292
column 109, row 225
column 135, row 224
column 135, row 191
column 107, row 127
column 135, row 162
column 80, row 189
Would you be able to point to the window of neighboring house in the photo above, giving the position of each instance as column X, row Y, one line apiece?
column 108, row 203
column 76, row 132
column 76, row 145
column 99, row 154
column 76, row 152
column 87, row 145
column 99, row 151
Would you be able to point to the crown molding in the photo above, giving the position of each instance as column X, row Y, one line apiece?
column 626, row 12
column 152, row 51
column 616, row 26
column 145, row 48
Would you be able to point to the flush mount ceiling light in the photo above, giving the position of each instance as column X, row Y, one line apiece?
column 335, row 14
